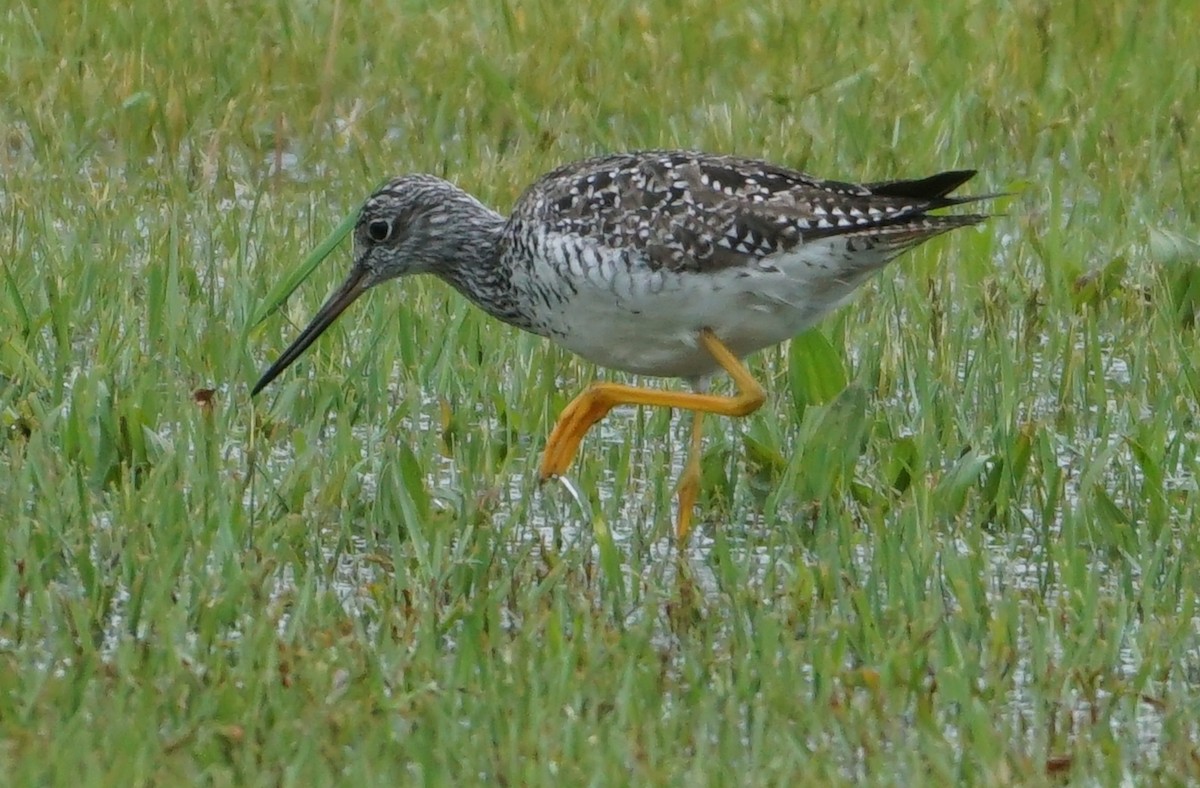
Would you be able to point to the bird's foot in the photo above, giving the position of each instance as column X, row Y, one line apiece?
column 573, row 423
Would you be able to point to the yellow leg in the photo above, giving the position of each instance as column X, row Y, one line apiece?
column 689, row 481
column 598, row 399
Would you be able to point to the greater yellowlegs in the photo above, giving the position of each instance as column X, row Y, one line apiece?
column 663, row 263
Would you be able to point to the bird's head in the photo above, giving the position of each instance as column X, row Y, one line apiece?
column 414, row 224
column 410, row 226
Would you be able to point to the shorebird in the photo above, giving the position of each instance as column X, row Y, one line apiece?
column 673, row 264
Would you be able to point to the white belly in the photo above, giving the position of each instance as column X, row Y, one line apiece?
column 647, row 322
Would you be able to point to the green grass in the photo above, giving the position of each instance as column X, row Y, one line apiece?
column 967, row 553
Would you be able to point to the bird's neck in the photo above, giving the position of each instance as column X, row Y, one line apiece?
column 474, row 268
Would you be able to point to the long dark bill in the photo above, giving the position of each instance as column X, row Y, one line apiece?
column 344, row 296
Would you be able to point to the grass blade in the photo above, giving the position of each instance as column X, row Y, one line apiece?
column 282, row 291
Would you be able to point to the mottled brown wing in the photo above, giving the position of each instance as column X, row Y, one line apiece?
column 695, row 212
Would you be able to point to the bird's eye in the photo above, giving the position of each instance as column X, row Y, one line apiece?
column 378, row 230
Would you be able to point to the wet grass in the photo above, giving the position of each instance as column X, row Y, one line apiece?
column 961, row 550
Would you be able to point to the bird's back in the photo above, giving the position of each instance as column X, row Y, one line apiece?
column 689, row 211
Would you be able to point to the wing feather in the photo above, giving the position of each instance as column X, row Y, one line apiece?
column 687, row 211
